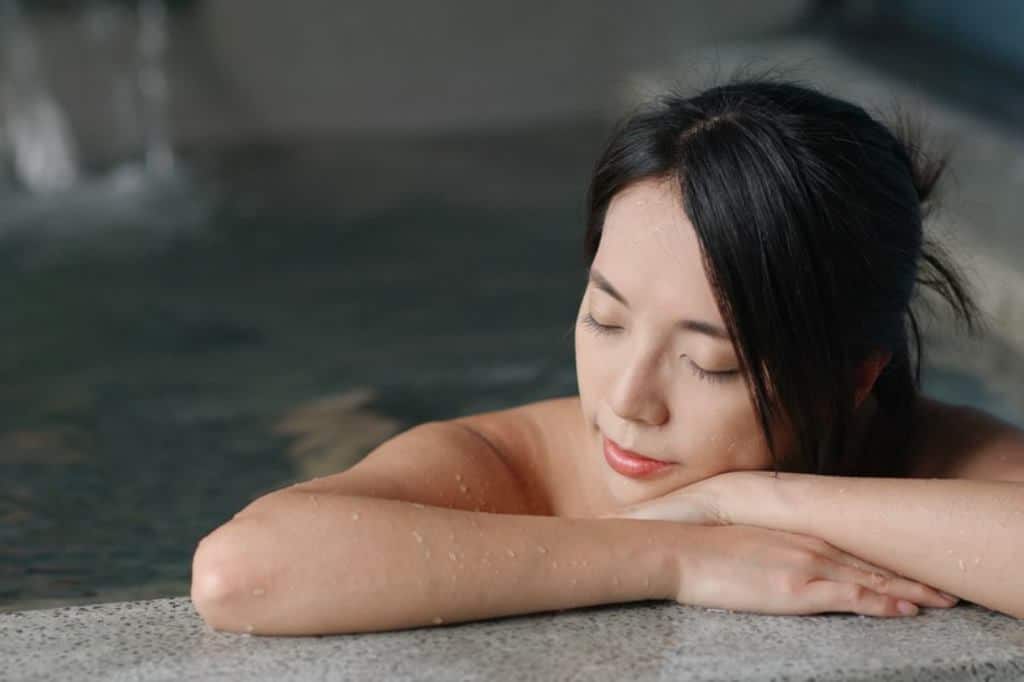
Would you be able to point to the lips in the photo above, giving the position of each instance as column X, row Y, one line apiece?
column 630, row 463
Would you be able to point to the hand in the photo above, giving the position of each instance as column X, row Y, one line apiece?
column 761, row 570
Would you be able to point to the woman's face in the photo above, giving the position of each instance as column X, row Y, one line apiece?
column 664, row 380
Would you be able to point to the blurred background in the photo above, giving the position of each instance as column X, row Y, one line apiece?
column 243, row 242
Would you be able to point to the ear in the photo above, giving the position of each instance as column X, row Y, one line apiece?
column 868, row 373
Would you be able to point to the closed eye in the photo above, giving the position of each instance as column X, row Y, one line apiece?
column 597, row 327
column 703, row 374
column 714, row 377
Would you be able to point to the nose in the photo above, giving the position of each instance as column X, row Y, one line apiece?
column 636, row 396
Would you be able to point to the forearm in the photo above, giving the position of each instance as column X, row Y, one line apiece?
column 965, row 537
column 355, row 564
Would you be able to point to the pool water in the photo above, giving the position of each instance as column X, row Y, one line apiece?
column 292, row 310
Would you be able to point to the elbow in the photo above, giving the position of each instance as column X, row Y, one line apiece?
column 209, row 593
column 217, row 582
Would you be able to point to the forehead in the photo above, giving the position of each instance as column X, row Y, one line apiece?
column 649, row 251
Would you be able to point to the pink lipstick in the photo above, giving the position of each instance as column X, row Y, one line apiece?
column 630, row 463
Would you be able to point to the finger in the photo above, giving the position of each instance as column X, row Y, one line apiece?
column 847, row 559
column 830, row 596
column 877, row 573
column 880, row 576
column 839, row 556
column 890, row 585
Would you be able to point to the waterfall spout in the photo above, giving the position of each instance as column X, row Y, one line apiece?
column 37, row 149
column 38, row 138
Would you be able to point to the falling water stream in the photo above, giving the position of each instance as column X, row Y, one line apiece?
column 42, row 151
column 38, row 151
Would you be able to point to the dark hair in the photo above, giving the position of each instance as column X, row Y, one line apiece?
column 808, row 213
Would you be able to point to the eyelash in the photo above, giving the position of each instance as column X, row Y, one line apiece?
column 704, row 375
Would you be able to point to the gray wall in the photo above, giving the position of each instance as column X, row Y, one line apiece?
column 245, row 68
column 454, row 63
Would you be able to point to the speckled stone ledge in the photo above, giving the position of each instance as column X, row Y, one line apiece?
column 164, row 639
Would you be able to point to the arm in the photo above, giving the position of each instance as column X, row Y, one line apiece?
column 965, row 537
column 304, row 563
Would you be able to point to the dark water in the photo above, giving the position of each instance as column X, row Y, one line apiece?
column 168, row 360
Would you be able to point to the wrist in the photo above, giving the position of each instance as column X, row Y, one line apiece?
column 773, row 501
column 695, row 575
column 678, row 558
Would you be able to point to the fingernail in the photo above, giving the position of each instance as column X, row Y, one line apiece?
column 949, row 597
column 906, row 607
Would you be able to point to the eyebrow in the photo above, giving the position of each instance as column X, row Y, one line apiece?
column 699, row 326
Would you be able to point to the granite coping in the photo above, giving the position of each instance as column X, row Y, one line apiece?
column 165, row 639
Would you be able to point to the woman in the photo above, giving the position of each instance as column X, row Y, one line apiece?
column 748, row 433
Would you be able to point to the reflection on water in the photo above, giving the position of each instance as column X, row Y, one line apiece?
column 332, row 297
column 331, row 434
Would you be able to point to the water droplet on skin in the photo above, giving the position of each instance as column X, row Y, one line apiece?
column 438, row 620
column 419, row 538
column 554, row 564
column 451, row 555
column 962, row 567
column 977, row 560
column 510, row 553
column 249, row 628
column 355, row 516
column 458, row 477
column 842, row 490
column 586, row 563
column 258, row 592
column 542, row 549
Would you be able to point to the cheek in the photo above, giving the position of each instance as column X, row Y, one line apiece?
column 591, row 373
column 596, row 363
column 720, row 425
column 584, row 367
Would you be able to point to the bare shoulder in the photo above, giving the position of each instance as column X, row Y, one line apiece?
column 961, row 441
column 537, row 441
